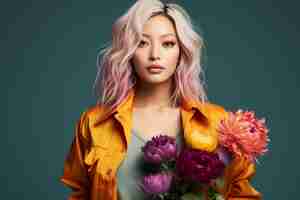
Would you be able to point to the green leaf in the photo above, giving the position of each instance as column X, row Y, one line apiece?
column 220, row 182
column 219, row 197
column 161, row 196
column 164, row 167
column 183, row 188
column 193, row 196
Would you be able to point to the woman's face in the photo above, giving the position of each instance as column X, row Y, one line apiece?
column 158, row 46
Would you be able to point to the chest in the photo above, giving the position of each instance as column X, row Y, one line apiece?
column 150, row 123
column 111, row 138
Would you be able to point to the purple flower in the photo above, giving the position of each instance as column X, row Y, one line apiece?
column 199, row 166
column 160, row 148
column 157, row 183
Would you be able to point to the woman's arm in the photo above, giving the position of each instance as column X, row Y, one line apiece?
column 75, row 172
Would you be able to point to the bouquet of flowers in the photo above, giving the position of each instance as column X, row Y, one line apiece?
column 184, row 174
column 190, row 174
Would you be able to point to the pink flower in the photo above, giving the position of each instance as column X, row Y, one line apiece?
column 243, row 134
column 155, row 184
column 159, row 149
column 199, row 166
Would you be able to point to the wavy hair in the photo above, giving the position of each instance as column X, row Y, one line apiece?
column 115, row 75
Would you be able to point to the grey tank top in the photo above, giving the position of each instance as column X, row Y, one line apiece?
column 133, row 168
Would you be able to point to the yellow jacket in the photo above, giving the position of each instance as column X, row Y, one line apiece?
column 101, row 140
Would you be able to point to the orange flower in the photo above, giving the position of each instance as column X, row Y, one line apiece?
column 243, row 134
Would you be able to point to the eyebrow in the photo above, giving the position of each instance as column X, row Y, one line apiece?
column 164, row 35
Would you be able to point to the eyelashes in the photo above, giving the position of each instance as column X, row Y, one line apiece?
column 169, row 44
column 142, row 43
column 166, row 44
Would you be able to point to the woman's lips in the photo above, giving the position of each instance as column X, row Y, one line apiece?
column 155, row 69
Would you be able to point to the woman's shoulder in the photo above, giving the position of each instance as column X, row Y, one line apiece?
column 87, row 119
column 213, row 111
column 92, row 113
column 94, row 109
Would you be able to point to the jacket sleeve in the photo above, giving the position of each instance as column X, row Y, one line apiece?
column 75, row 172
column 237, row 180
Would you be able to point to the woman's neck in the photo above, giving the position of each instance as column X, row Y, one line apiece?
column 153, row 96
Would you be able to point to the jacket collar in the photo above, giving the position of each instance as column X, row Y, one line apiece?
column 126, row 105
column 123, row 111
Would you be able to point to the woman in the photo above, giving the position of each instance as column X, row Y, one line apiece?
column 148, row 83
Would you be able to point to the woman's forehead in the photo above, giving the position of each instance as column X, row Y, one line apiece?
column 160, row 26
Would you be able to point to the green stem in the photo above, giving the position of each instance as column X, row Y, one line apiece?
column 164, row 166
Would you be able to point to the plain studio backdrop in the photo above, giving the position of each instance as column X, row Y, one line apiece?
column 48, row 56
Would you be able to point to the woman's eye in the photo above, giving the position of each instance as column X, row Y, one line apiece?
column 168, row 44
column 142, row 44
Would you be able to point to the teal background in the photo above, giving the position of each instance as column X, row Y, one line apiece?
column 48, row 57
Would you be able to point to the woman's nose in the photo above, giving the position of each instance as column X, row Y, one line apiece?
column 155, row 54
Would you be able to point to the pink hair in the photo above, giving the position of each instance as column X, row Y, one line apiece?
column 115, row 76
